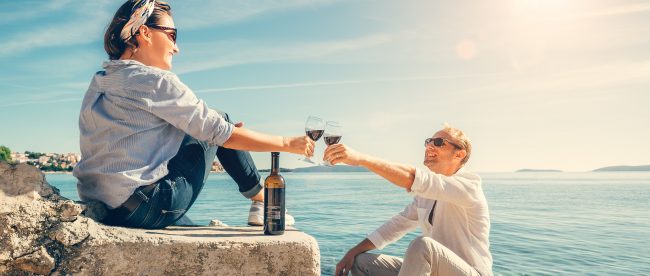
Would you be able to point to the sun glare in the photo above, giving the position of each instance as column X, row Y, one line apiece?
column 466, row 49
column 535, row 25
column 543, row 8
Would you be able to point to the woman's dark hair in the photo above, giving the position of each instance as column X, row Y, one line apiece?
column 113, row 43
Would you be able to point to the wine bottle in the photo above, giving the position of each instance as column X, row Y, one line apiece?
column 274, row 199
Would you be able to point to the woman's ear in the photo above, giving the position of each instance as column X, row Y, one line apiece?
column 144, row 35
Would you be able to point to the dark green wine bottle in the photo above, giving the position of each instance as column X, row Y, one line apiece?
column 274, row 199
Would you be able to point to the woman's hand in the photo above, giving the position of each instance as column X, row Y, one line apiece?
column 300, row 145
column 340, row 153
column 345, row 265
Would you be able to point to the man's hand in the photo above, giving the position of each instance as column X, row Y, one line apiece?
column 345, row 265
column 300, row 145
column 340, row 153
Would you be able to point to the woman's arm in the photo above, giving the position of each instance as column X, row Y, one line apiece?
column 245, row 139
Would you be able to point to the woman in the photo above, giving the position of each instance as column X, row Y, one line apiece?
column 147, row 141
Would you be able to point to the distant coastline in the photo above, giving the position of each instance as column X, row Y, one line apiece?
column 56, row 172
column 644, row 168
column 537, row 170
column 320, row 169
column 620, row 168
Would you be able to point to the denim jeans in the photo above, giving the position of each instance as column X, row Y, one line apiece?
column 174, row 194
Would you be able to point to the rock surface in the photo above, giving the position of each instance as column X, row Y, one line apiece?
column 44, row 233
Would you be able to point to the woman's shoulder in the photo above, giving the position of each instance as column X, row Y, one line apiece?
column 148, row 77
column 149, row 72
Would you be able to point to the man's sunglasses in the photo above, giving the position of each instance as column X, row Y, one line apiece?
column 171, row 35
column 439, row 142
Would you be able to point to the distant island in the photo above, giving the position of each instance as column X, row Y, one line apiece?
column 536, row 170
column 645, row 168
column 322, row 169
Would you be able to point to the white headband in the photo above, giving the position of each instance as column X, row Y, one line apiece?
column 139, row 15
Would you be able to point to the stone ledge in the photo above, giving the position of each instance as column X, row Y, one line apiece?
column 206, row 250
column 44, row 233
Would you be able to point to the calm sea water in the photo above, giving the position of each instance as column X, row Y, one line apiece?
column 542, row 223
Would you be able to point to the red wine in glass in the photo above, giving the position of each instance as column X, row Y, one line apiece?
column 333, row 134
column 314, row 128
column 331, row 140
column 315, row 134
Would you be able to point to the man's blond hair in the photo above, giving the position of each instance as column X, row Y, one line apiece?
column 461, row 139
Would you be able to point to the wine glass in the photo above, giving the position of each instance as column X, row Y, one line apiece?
column 333, row 134
column 314, row 128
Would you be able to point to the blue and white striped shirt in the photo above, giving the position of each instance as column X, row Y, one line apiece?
column 132, row 121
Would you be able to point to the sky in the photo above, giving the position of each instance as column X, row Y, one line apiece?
column 544, row 84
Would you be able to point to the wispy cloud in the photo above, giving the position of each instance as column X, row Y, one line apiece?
column 46, row 101
column 214, row 13
column 19, row 11
column 613, row 11
column 578, row 83
column 85, row 24
column 334, row 83
column 13, row 85
column 204, row 57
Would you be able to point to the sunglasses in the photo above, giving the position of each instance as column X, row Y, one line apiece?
column 171, row 35
column 439, row 142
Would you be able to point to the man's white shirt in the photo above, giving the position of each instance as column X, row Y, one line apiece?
column 461, row 220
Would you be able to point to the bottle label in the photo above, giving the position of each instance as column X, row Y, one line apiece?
column 274, row 210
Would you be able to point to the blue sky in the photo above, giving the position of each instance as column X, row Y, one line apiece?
column 561, row 84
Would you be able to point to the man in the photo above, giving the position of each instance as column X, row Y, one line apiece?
column 448, row 205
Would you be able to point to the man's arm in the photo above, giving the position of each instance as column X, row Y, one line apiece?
column 389, row 232
column 399, row 174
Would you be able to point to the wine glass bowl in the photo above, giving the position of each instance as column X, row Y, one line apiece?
column 314, row 129
column 333, row 134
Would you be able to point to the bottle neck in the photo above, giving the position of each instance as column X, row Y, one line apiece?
column 275, row 163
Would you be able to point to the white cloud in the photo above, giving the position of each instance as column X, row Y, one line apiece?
column 86, row 24
column 197, row 14
column 46, row 101
column 582, row 79
column 17, row 11
column 333, row 83
column 204, row 57
column 612, row 11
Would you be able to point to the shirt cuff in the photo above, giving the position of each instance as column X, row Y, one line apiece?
column 222, row 132
column 418, row 182
column 377, row 240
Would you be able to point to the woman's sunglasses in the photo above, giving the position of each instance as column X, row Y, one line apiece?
column 438, row 142
column 171, row 35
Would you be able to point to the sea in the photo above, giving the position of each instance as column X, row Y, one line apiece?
column 542, row 223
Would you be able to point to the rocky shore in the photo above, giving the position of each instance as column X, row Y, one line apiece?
column 42, row 233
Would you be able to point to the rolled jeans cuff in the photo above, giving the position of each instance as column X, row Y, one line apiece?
column 253, row 191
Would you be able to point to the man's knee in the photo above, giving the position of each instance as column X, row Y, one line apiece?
column 424, row 242
column 427, row 246
column 375, row 264
column 361, row 262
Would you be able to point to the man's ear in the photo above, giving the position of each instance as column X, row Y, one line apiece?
column 460, row 154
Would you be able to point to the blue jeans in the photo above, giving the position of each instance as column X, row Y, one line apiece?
column 173, row 195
